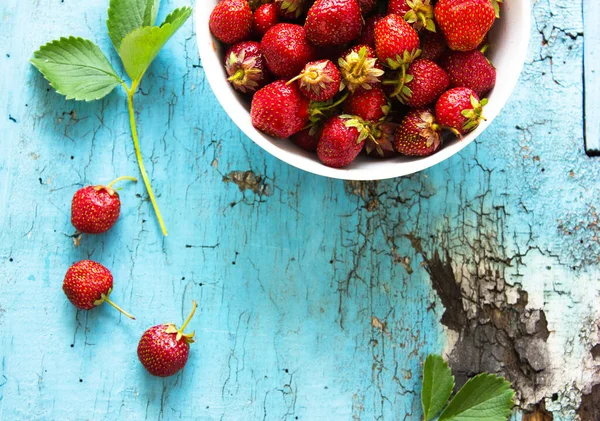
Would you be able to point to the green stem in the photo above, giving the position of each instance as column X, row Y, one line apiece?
column 138, row 154
column 117, row 307
column 182, row 328
column 398, row 89
column 335, row 104
column 358, row 67
column 239, row 74
column 125, row 177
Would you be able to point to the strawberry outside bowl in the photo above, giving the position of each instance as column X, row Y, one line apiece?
column 509, row 39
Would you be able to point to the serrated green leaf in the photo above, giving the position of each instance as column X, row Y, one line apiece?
column 151, row 12
column 485, row 397
column 125, row 16
column 438, row 383
column 76, row 68
column 141, row 46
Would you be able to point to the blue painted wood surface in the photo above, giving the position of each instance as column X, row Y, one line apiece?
column 318, row 299
column 591, row 10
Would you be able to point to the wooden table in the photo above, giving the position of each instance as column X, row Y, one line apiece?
column 318, row 299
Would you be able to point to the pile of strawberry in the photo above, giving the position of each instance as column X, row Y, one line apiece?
column 343, row 76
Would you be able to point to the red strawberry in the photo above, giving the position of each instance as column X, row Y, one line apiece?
column 418, row 134
column 470, row 69
column 307, row 139
column 88, row 284
column 319, row 80
column 424, row 83
column 464, row 22
column 333, row 22
column 286, row 49
column 460, row 110
column 360, row 68
column 95, row 209
column 396, row 42
column 398, row 7
column 366, row 6
column 433, row 46
column 419, row 13
column 290, row 9
column 231, row 21
column 279, row 109
column 164, row 350
column 246, row 67
column 341, row 140
column 368, row 104
column 381, row 144
column 367, row 37
column 265, row 17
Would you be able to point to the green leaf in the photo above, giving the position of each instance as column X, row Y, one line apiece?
column 485, row 397
column 438, row 383
column 76, row 68
column 141, row 46
column 125, row 16
column 151, row 12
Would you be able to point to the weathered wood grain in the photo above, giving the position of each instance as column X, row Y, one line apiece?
column 318, row 299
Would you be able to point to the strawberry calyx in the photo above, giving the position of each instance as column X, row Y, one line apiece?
column 292, row 8
column 420, row 14
column 255, row 4
column 109, row 190
column 429, row 129
column 365, row 128
column 314, row 77
column 496, row 4
column 402, row 61
column 188, row 337
column 244, row 71
column 105, row 298
column 474, row 115
column 358, row 70
column 383, row 138
column 402, row 92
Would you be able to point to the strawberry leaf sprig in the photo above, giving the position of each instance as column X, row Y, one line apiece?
column 485, row 397
column 79, row 70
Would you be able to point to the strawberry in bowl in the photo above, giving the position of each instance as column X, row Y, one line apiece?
column 336, row 75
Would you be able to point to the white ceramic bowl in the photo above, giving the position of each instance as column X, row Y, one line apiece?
column 509, row 39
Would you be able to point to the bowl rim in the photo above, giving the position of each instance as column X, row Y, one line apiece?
column 305, row 160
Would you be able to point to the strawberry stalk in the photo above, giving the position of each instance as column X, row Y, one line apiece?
column 138, row 154
column 187, row 321
column 116, row 180
column 238, row 75
column 318, row 109
column 104, row 298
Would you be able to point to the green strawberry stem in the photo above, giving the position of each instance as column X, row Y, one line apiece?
column 105, row 298
column 138, row 154
column 362, row 57
column 335, row 104
column 187, row 321
column 312, row 75
column 125, row 177
column 239, row 74
column 398, row 89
